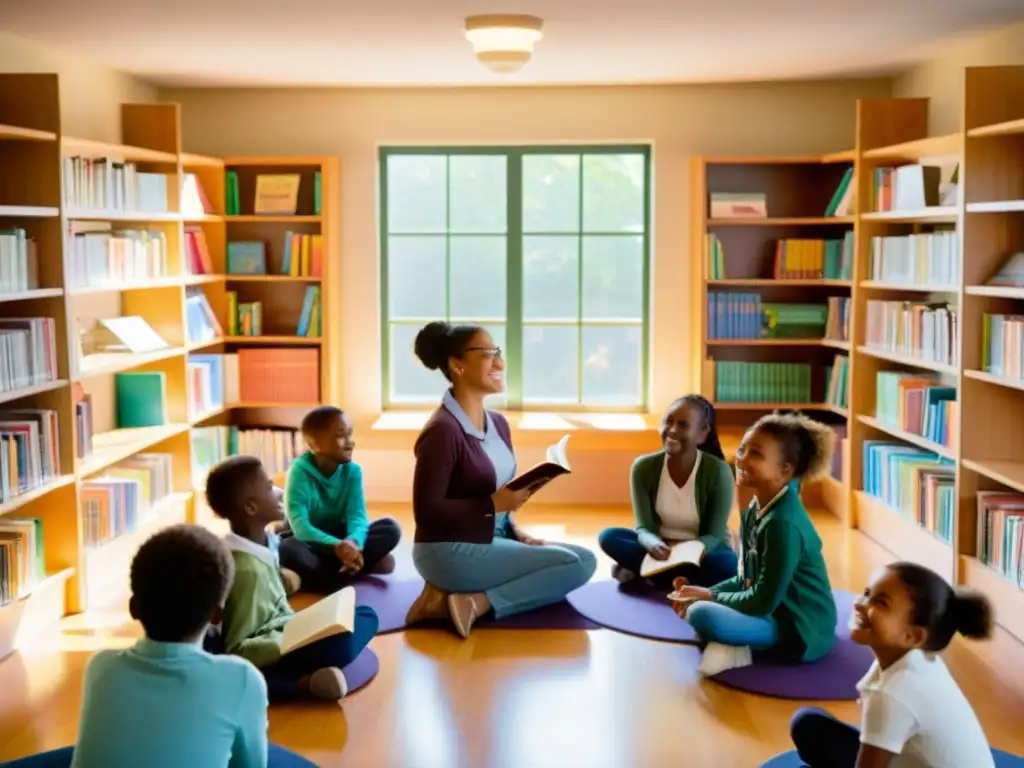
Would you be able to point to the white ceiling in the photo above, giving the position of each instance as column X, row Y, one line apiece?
column 420, row 42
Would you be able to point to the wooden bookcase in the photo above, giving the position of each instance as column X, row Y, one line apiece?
column 798, row 190
column 32, row 149
column 987, row 450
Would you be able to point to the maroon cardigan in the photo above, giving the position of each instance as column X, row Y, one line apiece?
column 453, row 481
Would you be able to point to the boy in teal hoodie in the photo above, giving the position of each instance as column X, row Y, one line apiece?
column 329, row 538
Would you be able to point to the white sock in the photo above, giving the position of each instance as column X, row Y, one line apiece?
column 718, row 658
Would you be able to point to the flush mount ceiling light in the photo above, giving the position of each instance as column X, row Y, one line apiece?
column 503, row 42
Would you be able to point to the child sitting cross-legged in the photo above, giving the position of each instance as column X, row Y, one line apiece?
column 913, row 714
column 165, row 702
column 781, row 600
column 257, row 610
column 329, row 537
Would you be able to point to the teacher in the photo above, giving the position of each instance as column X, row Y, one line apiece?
column 468, row 549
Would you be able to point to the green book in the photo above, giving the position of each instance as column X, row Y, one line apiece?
column 141, row 399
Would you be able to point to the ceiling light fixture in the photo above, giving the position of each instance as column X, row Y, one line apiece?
column 503, row 42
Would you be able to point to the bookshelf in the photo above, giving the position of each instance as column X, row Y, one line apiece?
column 775, row 259
column 956, row 244
column 59, row 202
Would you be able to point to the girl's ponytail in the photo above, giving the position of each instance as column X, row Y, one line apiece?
column 942, row 610
column 973, row 613
column 711, row 444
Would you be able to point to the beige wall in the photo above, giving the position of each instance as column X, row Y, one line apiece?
column 942, row 78
column 680, row 121
column 90, row 95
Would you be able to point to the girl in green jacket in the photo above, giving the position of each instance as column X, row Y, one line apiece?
column 681, row 493
column 781, row 599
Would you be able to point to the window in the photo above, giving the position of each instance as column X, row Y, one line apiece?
column 546, row 247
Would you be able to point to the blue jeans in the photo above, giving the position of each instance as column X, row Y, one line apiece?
column 715, row 623
column 516, row 577
column 622, row 546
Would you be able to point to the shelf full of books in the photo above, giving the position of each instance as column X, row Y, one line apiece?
column 116, row 338
column 777, row 240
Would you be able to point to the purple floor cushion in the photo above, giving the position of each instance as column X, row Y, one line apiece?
column 792, row 760
column 277, row 757
column 634, row 609
column 392, row 598
column 834, row 677
column 361, row 671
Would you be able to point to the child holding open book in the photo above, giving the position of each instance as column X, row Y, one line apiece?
column 257, row 612
column 329, row 537
column 682, row 495
column 780, row 600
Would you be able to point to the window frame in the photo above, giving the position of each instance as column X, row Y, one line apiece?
column 513, row 322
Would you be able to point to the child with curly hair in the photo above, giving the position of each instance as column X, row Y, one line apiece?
column 781, row 600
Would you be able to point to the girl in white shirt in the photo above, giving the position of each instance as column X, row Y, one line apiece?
column 913, row 714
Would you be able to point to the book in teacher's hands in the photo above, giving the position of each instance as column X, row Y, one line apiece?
column 554, row 465
column 333, row 615
column 681, row 553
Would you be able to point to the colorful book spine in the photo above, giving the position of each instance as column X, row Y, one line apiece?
column 837, row 382
column 917, row 404
column 19, row 262
column 1000, row 533
column 303, row 255
column 924, row 331
column 929, row 258
column 28, row 352
column 1002, row 345
column 715, row 257
column 279, row 375
column 112, row 185
column 206, row 386
column 915, row 483
column 29, row 450
column 309, row 318
column 276, row 448
column 807, row 259
column 22, row 562
column 734, row 315
column 742, row 382
column 233, row 199
column 110, row 508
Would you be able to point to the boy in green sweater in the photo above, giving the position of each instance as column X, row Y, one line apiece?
column 781, row 600
column 257, row 610
column 329, row 538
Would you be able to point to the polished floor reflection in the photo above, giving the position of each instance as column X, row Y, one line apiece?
column 517, row 699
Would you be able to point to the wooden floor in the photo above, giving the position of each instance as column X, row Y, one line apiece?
column 520, row 699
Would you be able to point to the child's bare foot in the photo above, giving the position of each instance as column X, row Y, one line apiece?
column 431, row 604
column 385, row 565
column 465, row 609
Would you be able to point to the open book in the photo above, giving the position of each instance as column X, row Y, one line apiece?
column 555, row 463
column 679, row 554
column 333, row 615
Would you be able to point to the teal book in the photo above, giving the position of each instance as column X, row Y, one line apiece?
column 141, row 399
column 247, row 258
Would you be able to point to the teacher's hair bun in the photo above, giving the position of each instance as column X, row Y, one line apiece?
column 431, row 345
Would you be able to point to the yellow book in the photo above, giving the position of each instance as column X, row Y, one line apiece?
column 333, row 615
column 276, row 193
column 304, row 269
column 679, row 554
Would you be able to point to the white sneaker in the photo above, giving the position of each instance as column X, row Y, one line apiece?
column 291, row 580
column 718, row 658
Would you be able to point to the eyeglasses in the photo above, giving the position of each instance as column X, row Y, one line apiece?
column 489, row 352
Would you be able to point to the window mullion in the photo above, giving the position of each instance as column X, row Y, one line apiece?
column 579, row 287
column 514, row 278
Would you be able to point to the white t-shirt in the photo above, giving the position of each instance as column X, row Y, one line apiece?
column 677, row 507
column 916, row 710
